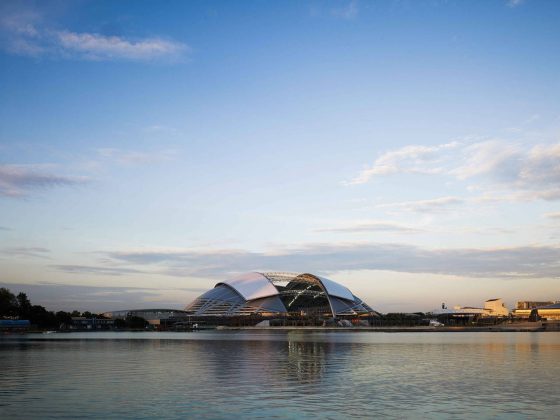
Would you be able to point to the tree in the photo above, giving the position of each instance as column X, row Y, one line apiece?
column 8, row 303
column 136, row 322
column 63, row 318
column 24, row 305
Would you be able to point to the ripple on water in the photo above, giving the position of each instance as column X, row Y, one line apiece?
column 281, row 375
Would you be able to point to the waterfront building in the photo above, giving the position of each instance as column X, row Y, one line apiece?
column 492, row 310
column 158, row 318
column 273, row 294
column 548, row 312
column 525, row 307
column 495, row 307
column 83, row 323
column 14, row 325
column 528, row 304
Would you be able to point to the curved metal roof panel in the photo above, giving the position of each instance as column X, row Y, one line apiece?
column 335, row 289
column 252, row 286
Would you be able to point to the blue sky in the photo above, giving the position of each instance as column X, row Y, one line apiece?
column 408, row 149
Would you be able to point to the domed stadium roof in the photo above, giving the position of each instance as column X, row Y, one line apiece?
column 278, row 293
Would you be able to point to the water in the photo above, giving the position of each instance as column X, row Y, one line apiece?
column 298, row 374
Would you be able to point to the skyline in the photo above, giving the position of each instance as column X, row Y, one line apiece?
column 408, row 150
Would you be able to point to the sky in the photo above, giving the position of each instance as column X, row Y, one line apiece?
column 409, row 150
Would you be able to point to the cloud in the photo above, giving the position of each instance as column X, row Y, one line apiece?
column 515, row 3
column 24, row 32
column 55, row 296
column 18, row 180
column 553, row 215
column 105, row 271
column 349, row 11
column 371, row 226
column 131, row 158
column 91, row 46
column 495, row 164
column 408, row 159
column 26, row 252
column 514, row 262
column 424, row 206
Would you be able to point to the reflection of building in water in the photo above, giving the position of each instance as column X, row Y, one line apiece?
column 306, row 360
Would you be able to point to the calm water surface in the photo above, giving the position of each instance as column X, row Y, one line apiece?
column 243, row 374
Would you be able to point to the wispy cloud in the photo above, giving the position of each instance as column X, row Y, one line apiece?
column 515, row 3
column 91, row 46
column 555, row 216
column 24, row 32
column 58, row 296
column 26, row 252
column 133, row 157
column 523, row 261
column 408, row 159
column 348, row 11
column 433, row 205
column 86, row 269
column 533, row 171
column 371, row 226
column 19, row 180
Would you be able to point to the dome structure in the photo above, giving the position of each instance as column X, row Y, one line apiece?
column 278, row 293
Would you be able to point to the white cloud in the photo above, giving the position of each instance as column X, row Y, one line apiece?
column 93, row 46
column 555, row 215
column 408, row 159
column 424, row 206
column 515, row 3
column 24, row 32
column 371, row 226
column 530, row 172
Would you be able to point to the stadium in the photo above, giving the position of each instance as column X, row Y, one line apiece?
column 279, row 294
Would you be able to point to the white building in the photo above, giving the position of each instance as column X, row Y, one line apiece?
column 495, row 307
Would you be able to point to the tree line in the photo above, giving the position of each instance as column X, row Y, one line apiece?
column 19, row 307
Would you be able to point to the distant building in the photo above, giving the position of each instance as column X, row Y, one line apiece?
column 150, row 315
column 279, row 294
column 83, row 323
column 492, row 308
column 495, row 307
column 548, row 312
column 527, row 304
column 14, row 325
column 525, row 307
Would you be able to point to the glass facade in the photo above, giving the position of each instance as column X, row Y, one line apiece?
column 279, row 293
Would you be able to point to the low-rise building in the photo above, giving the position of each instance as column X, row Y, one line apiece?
column 548, row 312
column 495, row 307
column 83, row 323
column 525, row 307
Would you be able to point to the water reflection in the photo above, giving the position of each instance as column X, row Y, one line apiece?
column 286, row 375
column 307, row 361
